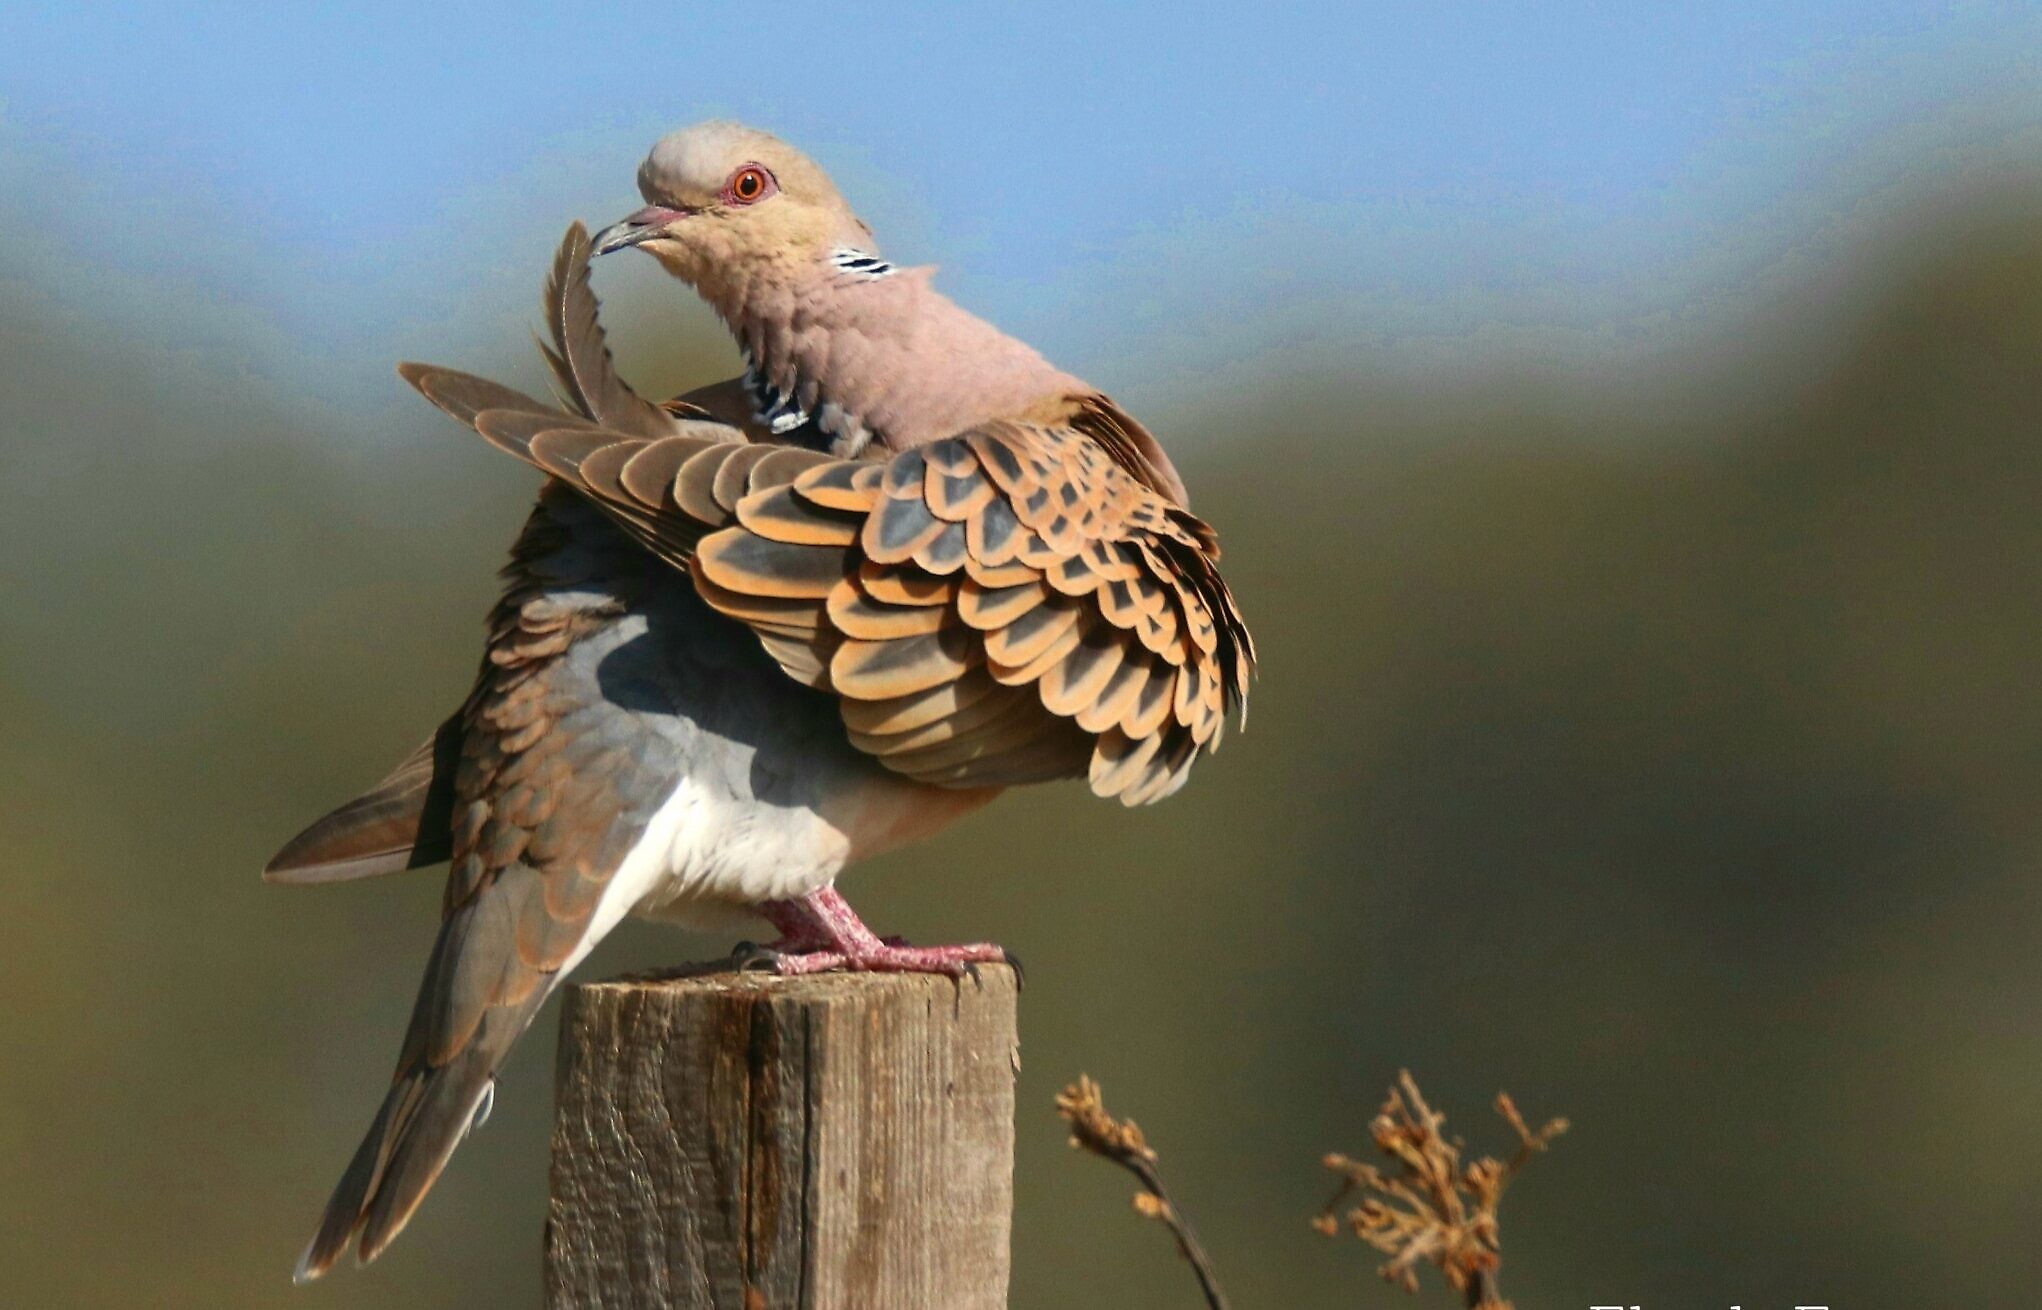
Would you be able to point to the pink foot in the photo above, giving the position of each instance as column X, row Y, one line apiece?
column 957, row 961
column 820, row 932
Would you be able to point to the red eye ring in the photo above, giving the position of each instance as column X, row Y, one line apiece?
column 748, row 185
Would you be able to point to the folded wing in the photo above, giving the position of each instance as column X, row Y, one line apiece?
column 1003, row 606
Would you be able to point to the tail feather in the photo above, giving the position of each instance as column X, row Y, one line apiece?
column 343, row 1217
column 403, row 822
column 423, row 1119
column 449, row 1103
column 430, row 1108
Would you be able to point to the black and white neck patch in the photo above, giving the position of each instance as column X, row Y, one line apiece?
column 780, row 411
column 860, row 263
column 826, row 426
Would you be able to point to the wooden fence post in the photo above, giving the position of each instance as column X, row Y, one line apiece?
column 841, row 1142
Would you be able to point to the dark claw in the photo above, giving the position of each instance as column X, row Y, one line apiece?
column 1014, row 963
column 971, row 971
column 750, row 957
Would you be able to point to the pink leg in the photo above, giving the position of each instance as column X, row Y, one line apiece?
column 820, row 932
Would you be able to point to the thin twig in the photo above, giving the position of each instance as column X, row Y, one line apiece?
column 1121, row 1141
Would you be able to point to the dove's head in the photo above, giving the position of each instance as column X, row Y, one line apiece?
column 726, row 200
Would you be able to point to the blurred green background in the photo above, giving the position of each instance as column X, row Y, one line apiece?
column 1650, row 727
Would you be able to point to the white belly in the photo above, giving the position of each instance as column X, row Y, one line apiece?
column 707, row 857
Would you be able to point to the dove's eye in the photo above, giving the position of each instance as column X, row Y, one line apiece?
column 748, row 184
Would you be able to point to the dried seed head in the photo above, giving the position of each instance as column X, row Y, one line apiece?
column 1432, row 1208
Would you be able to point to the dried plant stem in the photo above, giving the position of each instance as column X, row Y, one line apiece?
column 1121, row 1141
column 1180, row 1227
column 1432, row 1208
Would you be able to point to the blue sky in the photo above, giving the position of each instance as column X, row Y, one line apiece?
column 1125, row 185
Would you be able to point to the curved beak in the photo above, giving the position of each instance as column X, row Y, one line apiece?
column 645, row 225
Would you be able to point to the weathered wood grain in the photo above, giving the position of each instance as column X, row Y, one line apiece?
column 842, row 1142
